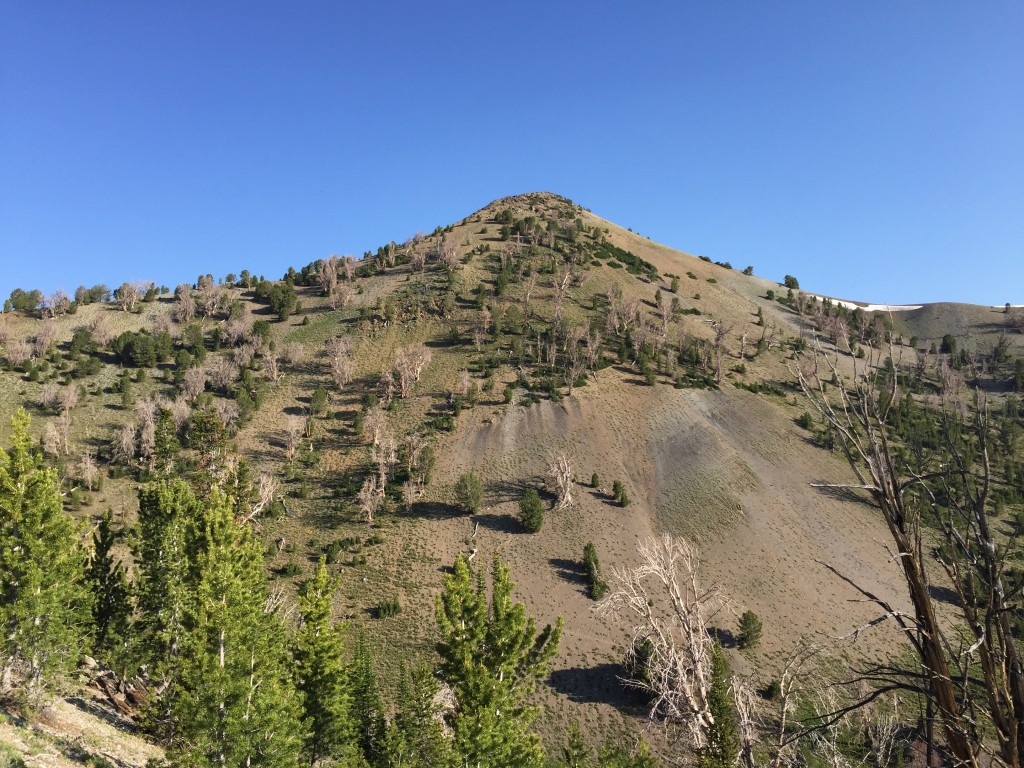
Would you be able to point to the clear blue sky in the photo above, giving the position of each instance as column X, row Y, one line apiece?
column 873, row 149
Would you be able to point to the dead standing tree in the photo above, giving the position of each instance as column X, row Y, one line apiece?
column 671, row 647
column 409, row 364
column 977, row 689
column 722, row 331
column 561, row 475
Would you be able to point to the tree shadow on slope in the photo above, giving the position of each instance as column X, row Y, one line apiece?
column 601, row 684
column 944, row 595
column 571, row 571
column 502, row 491
column 492, row 521
column 725, row 637
column 840, row 493
column 433, row 510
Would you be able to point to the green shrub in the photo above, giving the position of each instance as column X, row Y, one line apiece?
column 617, row 489
column 318, row 402
column 388, row 608
column 750, row 630
column 597, row 586
column 469, row 492
column 531, row 511
column 331, row 552
column 638, row 659
column 805, row 420
column 9, row 758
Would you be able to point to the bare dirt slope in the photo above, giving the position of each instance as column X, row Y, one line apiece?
column 728, row 469
column 76, row 732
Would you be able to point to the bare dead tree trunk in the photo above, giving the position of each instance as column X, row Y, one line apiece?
column 674, row 644
column 858, row 412
column 561, row 474
column 721, row 332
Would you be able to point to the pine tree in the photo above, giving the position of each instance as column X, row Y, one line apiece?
column 165, row 545
column 111, row 596
column 367, row 711
column 416, row 738
column 321, row 676
column 617, row 757
column 750, row 629
column 236, row 704
column 723, row 737
column 491, row 657
column 576, row 753
column 44, row 603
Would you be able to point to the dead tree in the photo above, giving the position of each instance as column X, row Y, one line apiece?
column 671, row 645
column 57, row 304
column 44, row 339
column 976, row 689
column 447, row 253
column 292, row 436
column 18, row 353
column 370, row 496
column 266, row 491
column 384, row 456
column 193, row 383
column 88, row 469
column 339, row 350
column 348, row 268
column 375, row 424
column 561, row 475
column 409, row 364
column 124, row 442
column 417, row 258
column 341, row 295
column 128, row 296
column 722, row 331
column 327, row 274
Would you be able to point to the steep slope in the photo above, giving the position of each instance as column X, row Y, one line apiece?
column 549, row 331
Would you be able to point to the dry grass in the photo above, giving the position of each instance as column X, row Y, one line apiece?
column 727, row 468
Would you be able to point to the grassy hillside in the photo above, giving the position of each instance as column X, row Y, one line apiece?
column 539, row 330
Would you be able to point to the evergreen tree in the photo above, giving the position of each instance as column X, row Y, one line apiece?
column 111, row 596
column 750, row 629
column 617, row 757
column 367, row 711
column 576, row 753
column 236, row 704
column 469, row 492
column 321, row 676
column 165, row 545
column 416, row 738
column 723, row 737
column 165, row 442
column 531, row 511
column 44, row 603
column 491, row 657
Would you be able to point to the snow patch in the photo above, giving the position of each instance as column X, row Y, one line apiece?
column 870, row 307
